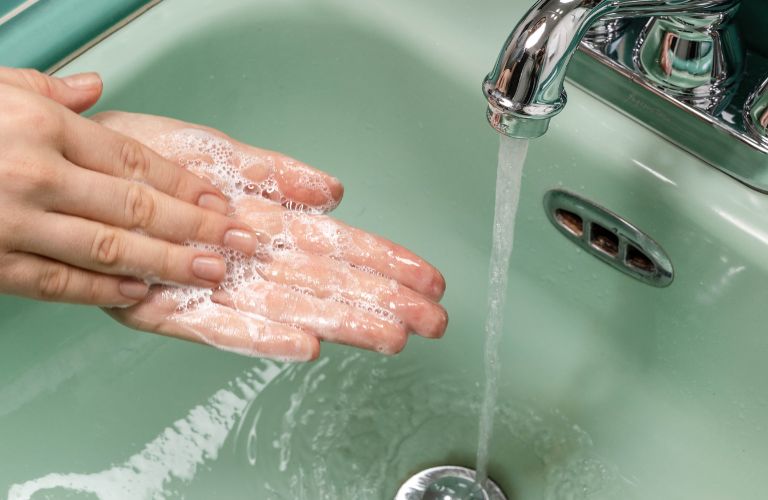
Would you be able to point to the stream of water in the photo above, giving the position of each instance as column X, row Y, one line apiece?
column 512, row 154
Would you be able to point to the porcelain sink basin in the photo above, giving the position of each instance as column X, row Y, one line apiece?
column 611, row 388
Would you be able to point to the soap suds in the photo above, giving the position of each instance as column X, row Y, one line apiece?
column 252, row 183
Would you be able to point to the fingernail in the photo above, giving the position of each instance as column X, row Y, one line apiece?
column 240, row 240
column 209, row 268
column 213, row 202
column 263, row 237
column 83, row 81
column 133, row 289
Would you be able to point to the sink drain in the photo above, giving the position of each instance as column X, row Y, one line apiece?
column 448, row 482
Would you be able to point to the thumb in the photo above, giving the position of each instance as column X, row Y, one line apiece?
column 77, row 92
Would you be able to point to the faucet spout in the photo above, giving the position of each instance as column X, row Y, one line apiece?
column 525, row 88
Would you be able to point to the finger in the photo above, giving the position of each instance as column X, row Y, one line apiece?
column 226, row 329
column 321, row 235
column 110, row 250
column 77, row 92
column 299, row 186
column 330, row 321
column 221, row 327
column 133, row 205
column 44, row 279
column 271, row 174
column 331, row 279
column 89, row 145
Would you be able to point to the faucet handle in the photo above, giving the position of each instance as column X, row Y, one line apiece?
column 697, row 59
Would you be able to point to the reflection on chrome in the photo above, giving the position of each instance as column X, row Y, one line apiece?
column 525, row 88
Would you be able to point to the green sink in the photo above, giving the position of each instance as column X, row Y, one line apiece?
column 610, row 388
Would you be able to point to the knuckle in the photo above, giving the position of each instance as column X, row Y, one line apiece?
column 37, row 81
column 53, row 283
column 166, row 260
column 107, row 247
column 140, row 207
column 179, row 181
column 200, row 225
column 42, row 122
column 96, row 291
column 29, row 177
column 134, row 160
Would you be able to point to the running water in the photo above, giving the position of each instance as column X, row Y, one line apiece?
column 512, row 153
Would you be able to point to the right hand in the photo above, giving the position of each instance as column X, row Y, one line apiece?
column 89, row 215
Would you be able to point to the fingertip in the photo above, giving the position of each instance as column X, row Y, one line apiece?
column 133, row 290
column 433, row 323
column 336, row 188
column 87, row 89
column 395, row 346
column 241, row 240
column 441, row 324
column 437, row 286
column 211, row 269
column 312, row 348
column 396, row 341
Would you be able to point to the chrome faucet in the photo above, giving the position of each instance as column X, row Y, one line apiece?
column 688, row 50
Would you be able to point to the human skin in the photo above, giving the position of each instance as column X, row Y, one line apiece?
column 307, row 292
column 74, row 193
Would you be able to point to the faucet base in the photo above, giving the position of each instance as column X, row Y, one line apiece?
column 719, row 136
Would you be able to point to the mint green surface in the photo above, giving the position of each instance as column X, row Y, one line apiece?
column 8, row 5
column 611, row 389
column 51, row 30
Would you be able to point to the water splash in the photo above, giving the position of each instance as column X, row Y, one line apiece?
column 349, row 428
column 176, row 453
column 512, row 154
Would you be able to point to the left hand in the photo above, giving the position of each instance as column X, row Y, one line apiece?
column 314, row 279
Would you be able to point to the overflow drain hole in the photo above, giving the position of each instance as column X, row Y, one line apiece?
column 639, row 261
column 609, row 237
column 604, row 240
column 570, row 221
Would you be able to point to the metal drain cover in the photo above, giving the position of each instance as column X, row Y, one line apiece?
column 447, row 482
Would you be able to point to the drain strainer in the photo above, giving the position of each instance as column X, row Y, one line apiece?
column 448, row 482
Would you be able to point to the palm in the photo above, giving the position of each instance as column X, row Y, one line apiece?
column 313, row 279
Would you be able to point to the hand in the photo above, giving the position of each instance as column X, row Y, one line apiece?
column 89, row 215
column 312, row 278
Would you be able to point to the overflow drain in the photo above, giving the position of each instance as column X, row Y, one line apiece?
column 609, row 237
column 447, row 482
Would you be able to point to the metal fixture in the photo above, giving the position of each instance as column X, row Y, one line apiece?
column 756, row 114
column 609, row 238
column 677, row 66
column 525, row 89
column 448, row 482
